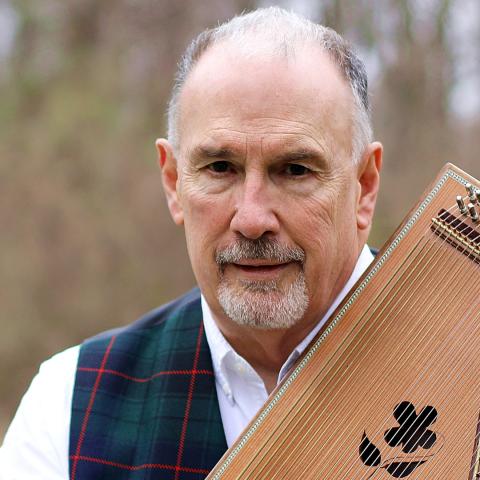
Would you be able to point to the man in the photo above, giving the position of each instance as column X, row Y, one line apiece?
column 270, row 167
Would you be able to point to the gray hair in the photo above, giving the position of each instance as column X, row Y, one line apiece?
column 280, row 29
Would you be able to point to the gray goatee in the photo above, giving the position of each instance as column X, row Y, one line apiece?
column 262, row 304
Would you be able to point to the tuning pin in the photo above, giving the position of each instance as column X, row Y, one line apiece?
column 477, row 194
column 473, row 212
column 471, row 192
column 461, row 204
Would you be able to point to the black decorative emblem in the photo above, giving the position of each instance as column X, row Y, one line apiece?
column 413, row 431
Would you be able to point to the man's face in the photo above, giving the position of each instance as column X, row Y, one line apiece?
column 266, row 186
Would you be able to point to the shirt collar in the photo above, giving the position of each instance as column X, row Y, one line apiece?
column 224, row 355
column 220, row 349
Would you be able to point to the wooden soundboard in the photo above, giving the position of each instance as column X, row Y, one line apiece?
column 390, row 388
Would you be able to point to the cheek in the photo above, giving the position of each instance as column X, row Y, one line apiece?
column 205, row 221
column 199, row 208
column 333, row 207
column 320, row 215
column 328, row 229
column 196, row 202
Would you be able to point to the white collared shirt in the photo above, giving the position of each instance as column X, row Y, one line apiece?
column 240, row 390
column 36, row 445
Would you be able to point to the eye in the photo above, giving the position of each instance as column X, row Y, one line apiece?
column 296, row 170
column 220, row 166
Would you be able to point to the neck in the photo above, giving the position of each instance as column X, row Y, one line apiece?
column 265, row 350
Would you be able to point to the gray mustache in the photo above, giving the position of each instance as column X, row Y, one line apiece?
column 259, row 249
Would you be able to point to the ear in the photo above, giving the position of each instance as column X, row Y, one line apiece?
column 368, row 177
column 168, row 165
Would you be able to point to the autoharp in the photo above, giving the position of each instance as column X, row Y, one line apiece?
column 390, row 388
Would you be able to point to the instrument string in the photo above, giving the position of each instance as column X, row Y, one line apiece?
column 306, row 400
column 424, row 424
column 469, row 288
column 337, row 377
column 454, row 441
column 463, row 402
column 405, row 359
column 352, row 361
column 422, row 274
column 300, row 402
column 377, row 302
column 379, row 296
column 463, row 261
column 460, row 361
column 426, row 331
column 463, row 258
column 474, row 443
column 327, row 442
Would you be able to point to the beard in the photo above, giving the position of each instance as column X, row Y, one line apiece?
column 262, row 304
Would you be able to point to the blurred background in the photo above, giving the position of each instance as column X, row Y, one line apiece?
column 86, row 242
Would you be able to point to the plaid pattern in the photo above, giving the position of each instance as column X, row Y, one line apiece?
column 145, row 404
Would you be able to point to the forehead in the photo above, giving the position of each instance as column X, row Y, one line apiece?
column 267, row 99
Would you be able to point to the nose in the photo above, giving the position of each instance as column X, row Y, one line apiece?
column 255, row 212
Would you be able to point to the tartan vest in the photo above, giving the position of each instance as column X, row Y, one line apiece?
column 145, row 404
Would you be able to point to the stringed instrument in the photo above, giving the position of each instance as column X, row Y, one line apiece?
column 390, row 388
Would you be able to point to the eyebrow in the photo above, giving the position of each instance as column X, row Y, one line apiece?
column 212, row 152
column 303, row 154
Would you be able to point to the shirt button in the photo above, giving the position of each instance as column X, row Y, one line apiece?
column 240, row 367
column 227, row 390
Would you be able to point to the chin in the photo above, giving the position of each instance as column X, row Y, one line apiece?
column 264, row 305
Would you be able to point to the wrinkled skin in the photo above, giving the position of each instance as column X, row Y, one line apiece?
column 265, row 151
